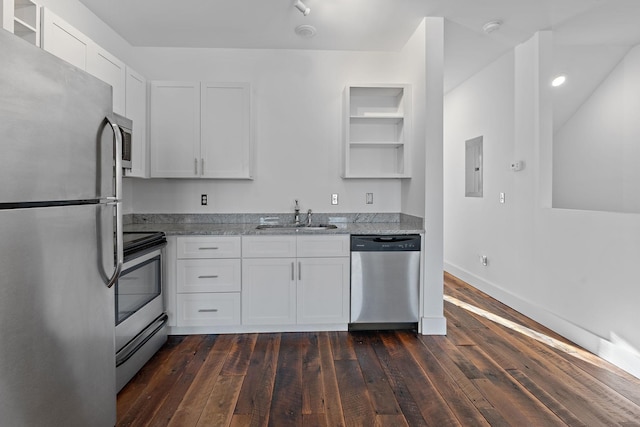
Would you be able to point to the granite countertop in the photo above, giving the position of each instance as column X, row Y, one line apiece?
column 245, row 224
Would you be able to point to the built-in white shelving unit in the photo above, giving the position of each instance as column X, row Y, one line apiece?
column 22, row 17
column 377, row 131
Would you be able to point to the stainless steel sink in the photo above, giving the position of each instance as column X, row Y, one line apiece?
column 294, row 227
column 320, row 227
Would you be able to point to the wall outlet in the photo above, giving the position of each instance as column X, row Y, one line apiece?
column 516, row 166
column 203, row 200
column 334, row 199
column 501, row 197
column 369, row 199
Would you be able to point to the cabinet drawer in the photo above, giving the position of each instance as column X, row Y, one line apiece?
column 208, row 309
column 323, row 246
column 209, row 247
column 209, row 275
column 268, row 246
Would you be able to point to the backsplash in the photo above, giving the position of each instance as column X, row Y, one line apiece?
column 270, row 218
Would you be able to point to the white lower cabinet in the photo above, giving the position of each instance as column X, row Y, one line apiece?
column 295, row 280
column 208, row 277
column 274, row 283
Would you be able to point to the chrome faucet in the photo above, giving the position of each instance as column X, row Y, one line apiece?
column 297, row 213
column 309, row 218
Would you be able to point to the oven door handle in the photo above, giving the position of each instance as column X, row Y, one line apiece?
column 141, row 339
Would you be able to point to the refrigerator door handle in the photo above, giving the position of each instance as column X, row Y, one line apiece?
column 119, row 246
column 117, row 141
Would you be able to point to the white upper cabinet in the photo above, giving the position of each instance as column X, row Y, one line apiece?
column 111, row 70
column 129, row 87
column 64, row 41
column 377, row 131
column 68, row 43
column 174, row 130
column 136, row 110
column 226, row 130
column 200, row 130
column 22, row 18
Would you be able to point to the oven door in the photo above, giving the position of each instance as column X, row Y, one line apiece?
column 138, row 296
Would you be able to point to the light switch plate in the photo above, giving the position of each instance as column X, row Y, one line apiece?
column 369, row 199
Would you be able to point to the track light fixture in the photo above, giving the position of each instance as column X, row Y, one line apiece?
column 302, row 8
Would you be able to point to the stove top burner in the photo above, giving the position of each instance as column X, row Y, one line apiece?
column 138, row 243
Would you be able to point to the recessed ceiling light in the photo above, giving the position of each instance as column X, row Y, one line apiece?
column 491, row 26
column 306, row 31
column 559, row 80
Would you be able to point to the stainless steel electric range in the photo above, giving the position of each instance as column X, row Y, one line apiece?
column 139, row 304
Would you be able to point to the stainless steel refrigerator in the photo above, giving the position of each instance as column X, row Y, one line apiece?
column 60, row 222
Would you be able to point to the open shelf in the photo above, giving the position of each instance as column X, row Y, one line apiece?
column 377, row 123
column 26, row 19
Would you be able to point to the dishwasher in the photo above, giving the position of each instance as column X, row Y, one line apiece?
column 385, row 281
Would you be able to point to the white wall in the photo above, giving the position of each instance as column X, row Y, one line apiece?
column 298, row 109
column 298, row 105
column 596, row 152
column 573, row 271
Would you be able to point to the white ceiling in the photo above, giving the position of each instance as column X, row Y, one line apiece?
column 374, row 25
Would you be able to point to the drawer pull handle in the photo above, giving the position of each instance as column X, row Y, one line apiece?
column 208, row 277
column 208, row 310
column 213, row 248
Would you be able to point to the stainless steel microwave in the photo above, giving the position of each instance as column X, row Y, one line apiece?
column 125, row 125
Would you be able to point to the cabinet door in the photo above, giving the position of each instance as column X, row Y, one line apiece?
column 136, row 110
column 323, row 290
column 268, row 291
column 64, row 41
column 175, row 130
column 111, row 70
column 226, row 130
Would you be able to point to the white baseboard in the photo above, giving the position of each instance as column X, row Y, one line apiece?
column 616, row 353
column 433, row 326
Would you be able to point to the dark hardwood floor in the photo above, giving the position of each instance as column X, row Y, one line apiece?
column 495, row 367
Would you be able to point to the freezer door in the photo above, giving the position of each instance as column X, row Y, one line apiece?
column 57, row 317
column 52, row 117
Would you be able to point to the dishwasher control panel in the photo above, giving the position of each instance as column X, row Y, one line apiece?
column 382, row 243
